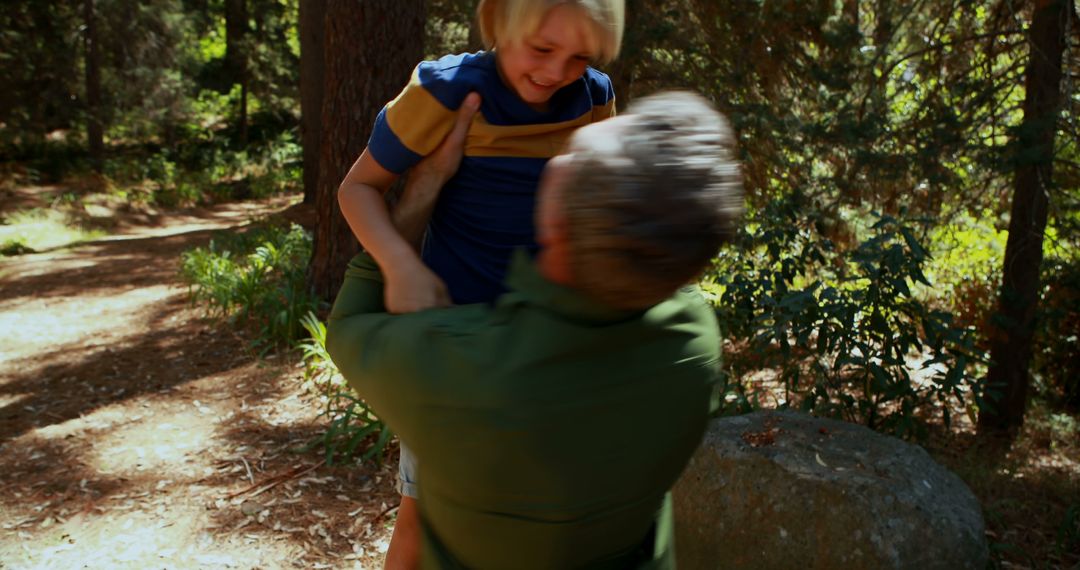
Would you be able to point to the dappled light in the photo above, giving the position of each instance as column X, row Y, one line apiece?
column 133, row 434
column 880, row 202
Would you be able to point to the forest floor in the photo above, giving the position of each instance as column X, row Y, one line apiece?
column 134, row 434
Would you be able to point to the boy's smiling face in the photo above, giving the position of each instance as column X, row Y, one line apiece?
column 550, row 58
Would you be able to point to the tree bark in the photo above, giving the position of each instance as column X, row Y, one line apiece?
column 236, row 58
column 312, row 27
column 1010, row 350
column 95, row 131
column 623, row 70
column 371, row 49
column 476, row 39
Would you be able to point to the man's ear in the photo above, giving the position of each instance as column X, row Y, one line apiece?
column 551, row 222
column 551, row 227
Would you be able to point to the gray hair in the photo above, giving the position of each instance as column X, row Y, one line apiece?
column 647, row 212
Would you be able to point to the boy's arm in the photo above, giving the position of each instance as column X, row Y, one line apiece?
column 411, row 285
column 426, row 179
column 394, row 239
column 377, row 352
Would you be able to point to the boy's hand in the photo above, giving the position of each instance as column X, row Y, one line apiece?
column 441, row 165
column 414, row 288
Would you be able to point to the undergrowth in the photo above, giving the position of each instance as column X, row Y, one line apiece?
column 256, row 280
column 840, row 326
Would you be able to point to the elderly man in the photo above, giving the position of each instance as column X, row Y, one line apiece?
column 550, row 425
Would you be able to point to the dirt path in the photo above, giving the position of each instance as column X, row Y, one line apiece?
column 135, row 435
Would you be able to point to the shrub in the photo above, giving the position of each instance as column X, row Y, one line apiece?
column 841, row 329
column 255, row 279
column 14, row 246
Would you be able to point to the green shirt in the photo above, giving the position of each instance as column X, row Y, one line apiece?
column 548, row 429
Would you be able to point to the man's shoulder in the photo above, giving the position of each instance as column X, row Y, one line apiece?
column 689, row 312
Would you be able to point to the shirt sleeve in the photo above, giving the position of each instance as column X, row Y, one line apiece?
column 413, row 124
column 377, row 353
column 603, row 94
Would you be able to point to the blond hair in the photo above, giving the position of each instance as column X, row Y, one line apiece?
column 509, row 21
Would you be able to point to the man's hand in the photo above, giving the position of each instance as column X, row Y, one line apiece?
column 426, row 179
column 414, row 287
column 410, row 285
column 441, row 165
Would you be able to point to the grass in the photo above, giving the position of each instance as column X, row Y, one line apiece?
column 40, row 229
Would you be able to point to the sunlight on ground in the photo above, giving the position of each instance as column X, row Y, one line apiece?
column 167, row 537
column 171, row 444
column 10, row 400
column 35, row 323
column 143, row 438
column 41, row 229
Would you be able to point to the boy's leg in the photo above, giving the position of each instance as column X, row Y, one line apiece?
column 404, row 551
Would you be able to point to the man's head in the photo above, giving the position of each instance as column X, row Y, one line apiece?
column 640, row 203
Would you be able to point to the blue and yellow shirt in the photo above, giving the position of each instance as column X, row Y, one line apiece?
column 485, row 211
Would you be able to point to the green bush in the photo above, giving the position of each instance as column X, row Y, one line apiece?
column 205, row 168
column 841, row 330
column 351, row 421
column 255, row 279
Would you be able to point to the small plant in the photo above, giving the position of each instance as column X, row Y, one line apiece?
column 351, row 421
column 255, row 279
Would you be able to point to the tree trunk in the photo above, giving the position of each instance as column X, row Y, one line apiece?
column 95, row 131
column 312, row 27
column 476, row 39
column 1010, row 350
column 371, row 48
column 623, row 70
column 236, row 58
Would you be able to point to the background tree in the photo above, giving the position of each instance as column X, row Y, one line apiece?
column 1010, row 374
column 236, row 58
column 312, row 30
column 39, row 74
column 95, row 132
column 371, row 48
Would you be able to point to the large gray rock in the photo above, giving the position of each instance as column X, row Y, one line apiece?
column 787, row 490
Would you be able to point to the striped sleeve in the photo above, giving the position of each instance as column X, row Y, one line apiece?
column 603, row 95
column 412, row 125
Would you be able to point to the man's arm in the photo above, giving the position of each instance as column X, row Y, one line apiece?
column 383, row 356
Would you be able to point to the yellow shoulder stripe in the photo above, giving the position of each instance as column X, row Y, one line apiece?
column 418, row 119
column 543, row 140
column 605, row 111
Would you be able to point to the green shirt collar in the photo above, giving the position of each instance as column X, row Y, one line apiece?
column 528, row 285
